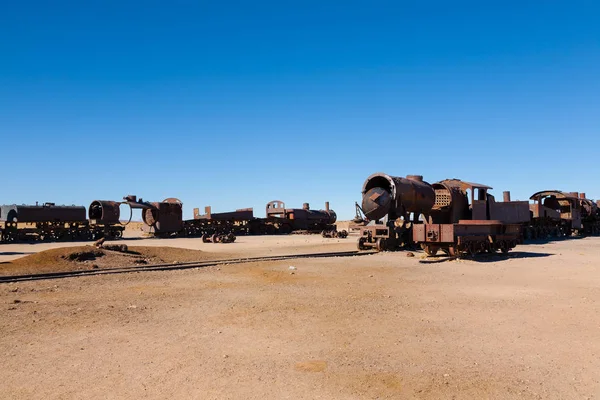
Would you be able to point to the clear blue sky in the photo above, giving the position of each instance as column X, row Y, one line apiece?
column 233, row 104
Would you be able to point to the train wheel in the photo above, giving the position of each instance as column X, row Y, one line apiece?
column 205, row 238
column 381, row 244
column 361, row 243
column 504, row 247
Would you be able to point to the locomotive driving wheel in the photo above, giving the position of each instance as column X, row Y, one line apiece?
column 381, row 244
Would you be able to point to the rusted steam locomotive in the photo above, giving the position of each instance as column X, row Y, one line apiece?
column 453, row 216
column 49, row 222
column 278, row 220
column 557, row 214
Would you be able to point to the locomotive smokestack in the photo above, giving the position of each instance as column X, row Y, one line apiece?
column 575, row 194
column 306, row 206
column 506, row 195
column 326, row 206
column 582, row 196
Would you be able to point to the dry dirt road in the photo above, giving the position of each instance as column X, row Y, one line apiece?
column 373, row 327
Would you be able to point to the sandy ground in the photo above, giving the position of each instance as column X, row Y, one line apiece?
column 244, row 245
column 87, row 258
column 382, row 326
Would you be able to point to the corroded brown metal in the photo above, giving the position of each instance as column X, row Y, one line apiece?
column 383, row 195
column 300, row 218
column 459, row 217
column 244, row 214
column 104, row 211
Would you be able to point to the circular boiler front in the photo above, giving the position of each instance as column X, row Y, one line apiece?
column 150, row 215
column 384, row 194
column 104, row 211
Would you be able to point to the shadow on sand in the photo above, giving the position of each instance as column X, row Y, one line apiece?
column 15, row 253
column 487, row 258
column 555, row 239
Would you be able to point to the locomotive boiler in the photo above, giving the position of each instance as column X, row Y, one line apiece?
column 394, row 204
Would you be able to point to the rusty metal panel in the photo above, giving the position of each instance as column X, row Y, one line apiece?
column 479, row 209
column 535, row 210
column 419, row 233
column 237, row 215
column 447, row 233
column 476, row 228
column 510, row 212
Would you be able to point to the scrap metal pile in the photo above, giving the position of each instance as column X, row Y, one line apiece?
column 48, row 222
column 462, row 218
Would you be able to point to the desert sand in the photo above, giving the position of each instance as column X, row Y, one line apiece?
column 382, row 326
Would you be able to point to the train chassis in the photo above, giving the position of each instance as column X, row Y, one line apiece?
column 54, row 231
column 472, row 245
column 395, row 234
column 467, row 238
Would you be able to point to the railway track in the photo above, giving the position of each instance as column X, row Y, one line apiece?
column 170, row 267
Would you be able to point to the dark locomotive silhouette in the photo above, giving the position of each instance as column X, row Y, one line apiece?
column 49, row 222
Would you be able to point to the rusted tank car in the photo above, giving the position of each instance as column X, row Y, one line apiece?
column 454, row 216
column 42, row 222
